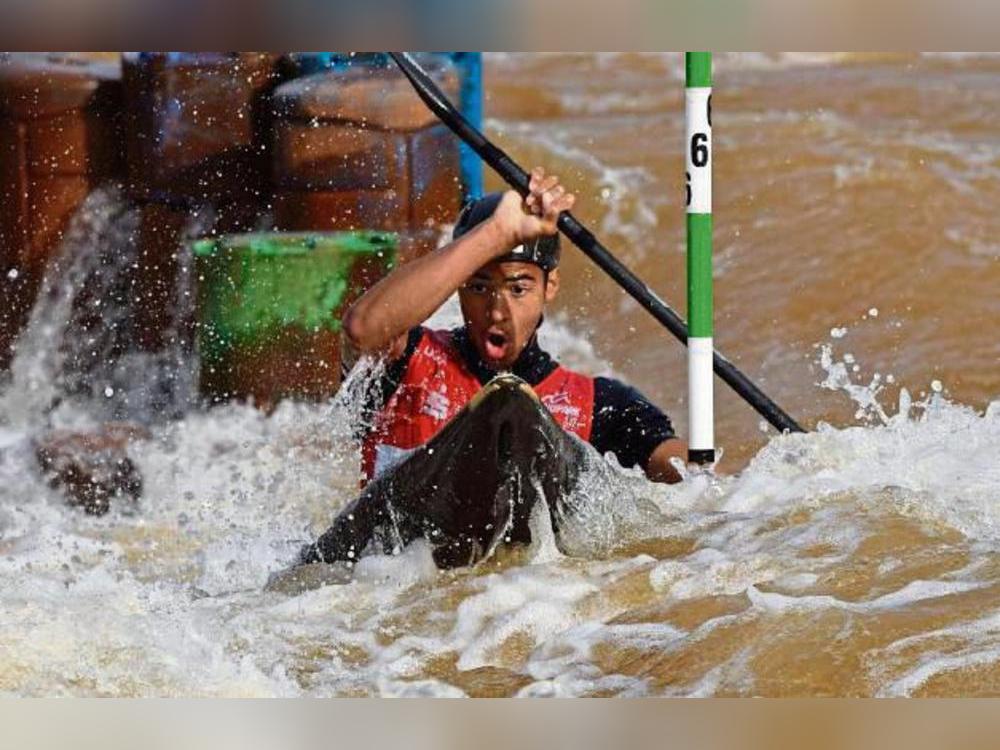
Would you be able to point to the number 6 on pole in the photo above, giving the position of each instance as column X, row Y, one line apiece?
column 698, row 156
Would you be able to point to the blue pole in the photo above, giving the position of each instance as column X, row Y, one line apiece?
column 470, row 65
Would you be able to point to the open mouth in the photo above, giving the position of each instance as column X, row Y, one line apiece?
column 496, row 345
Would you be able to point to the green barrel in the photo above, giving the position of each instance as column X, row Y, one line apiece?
column 269, row 309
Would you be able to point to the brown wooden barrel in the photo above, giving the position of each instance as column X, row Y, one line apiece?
column 60, row 136
column 355, row 148
column 197, row 140
column 198, row 126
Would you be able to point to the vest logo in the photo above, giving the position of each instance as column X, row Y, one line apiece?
column 555, row 399
column 565, row 412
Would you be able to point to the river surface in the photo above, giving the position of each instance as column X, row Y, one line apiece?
column 857, row 258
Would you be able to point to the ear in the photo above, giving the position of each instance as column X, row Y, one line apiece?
column 552, row 285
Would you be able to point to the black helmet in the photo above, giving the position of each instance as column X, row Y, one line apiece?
column 543, row 252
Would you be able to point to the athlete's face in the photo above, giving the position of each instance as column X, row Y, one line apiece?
column 502, row 304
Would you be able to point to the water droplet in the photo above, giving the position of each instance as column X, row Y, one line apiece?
column 13, row 274
column 936, row 386
column 838, row 333
column 873, row 312
column 109, row 391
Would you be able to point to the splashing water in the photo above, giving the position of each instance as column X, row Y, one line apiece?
column 876, row 539
column 103, row 220
column 76, row 359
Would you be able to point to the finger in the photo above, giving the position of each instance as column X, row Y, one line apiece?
column 537, row 175
column 563, row 208
column 548, row 201
column 540, row 185
column 549, row 182
column 563, row 203
column 551, row 197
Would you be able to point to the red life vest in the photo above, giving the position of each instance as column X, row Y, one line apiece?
column 437, row 384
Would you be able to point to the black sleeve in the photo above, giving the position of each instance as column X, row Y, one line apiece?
column 627, row 423
column 394, row 371
column 379, row 392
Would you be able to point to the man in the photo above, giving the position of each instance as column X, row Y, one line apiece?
column 503, row 263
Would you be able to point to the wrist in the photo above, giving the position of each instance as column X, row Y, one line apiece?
column 503, row 237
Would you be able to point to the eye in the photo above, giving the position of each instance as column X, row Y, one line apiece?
column 519, row 290
column 477, row 287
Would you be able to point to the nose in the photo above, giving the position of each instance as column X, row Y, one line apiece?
column 498, row 307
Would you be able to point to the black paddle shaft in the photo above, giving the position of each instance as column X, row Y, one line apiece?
column 580, row 236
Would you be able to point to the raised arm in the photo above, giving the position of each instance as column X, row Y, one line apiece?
column 405, row 298
column 412, row 292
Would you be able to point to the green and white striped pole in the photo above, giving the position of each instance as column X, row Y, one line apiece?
column 698, row 129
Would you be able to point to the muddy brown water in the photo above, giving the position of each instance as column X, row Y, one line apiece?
column 856, row 236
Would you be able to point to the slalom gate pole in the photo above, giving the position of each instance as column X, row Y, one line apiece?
column 698, row 173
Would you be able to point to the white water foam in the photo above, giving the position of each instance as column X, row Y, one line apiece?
column 76, row 360
column 231, row 494
column 167, row 599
